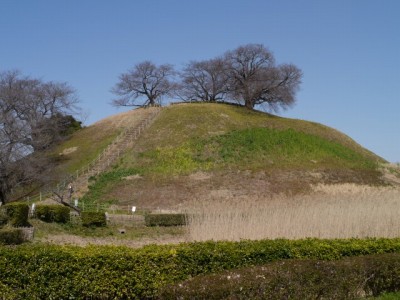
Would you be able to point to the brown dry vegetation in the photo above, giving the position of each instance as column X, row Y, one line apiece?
column 205, row 186
column 327, row 211
column 330, row 211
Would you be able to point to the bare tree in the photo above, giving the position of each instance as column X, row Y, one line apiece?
column 254, row 78
column 32, row 115
column 204, row 80
column 144, row 85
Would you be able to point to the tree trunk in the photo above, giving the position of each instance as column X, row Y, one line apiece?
column 249, row 104
column 60, row 199
column 152, row 102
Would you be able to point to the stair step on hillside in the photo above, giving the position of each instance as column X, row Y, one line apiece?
column 113, row 152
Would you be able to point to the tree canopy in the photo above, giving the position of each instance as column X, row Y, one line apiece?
column 144, row 85
column 33, row 117
column 247, row 75
column 255, row 79
column 204, row 80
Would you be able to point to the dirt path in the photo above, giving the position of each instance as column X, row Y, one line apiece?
column 68, row 239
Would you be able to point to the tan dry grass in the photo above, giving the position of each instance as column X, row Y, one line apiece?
column 332, row 211
column 69, row 239
column 85, row 145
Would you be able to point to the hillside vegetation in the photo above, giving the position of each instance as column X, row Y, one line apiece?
column 238, row 175
column 206, row 150
column 83, row 146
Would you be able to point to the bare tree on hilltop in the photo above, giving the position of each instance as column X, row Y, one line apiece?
column 33, row 117
column 204, row 81
column 247, row 75
column 255, row 79
column 144, row 85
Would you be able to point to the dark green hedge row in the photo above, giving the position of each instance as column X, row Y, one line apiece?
column 93, row 219
column 11, row 236
column 66, row 272
column 165, row 220
column 17, row 214
column 350, row 278
column 3, row 217
column 53, row 213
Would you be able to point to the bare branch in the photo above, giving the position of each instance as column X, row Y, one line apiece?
column 32, row 118
column 204, row 81
column 254, row 78
column 145, row 83
column 58, row 197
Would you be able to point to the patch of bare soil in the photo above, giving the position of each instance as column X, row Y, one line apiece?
column 200, row 176
column 391, row 174
column 69, row 151
column 173, row 193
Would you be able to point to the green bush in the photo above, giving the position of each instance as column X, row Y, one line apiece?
column 11, row 236
column 349, row 278
column 93, row 219
column 53, row 213
column 35, row 271
column 165, row 220
column 17, row 214
column 3, row 217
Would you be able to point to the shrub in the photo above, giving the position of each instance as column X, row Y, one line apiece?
column 3, row 217
column 11, row 236
column 93, row 219
column 17, row 214
column 53, row 213
column 35, row 271
column 349, row 278
column 165, row 219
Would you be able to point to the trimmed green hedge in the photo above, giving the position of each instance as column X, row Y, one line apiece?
column 53, row 213
column 349, row 278
column 3, row 217
column 11, row 236
column 165, row 220
column 17, row 214
column 95, row 272
column 93, row 219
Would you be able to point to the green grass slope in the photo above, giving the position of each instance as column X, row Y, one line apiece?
column 85, row 145
column 198, row 148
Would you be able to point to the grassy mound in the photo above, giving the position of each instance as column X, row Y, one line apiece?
column 232, row 145
column 192, row 137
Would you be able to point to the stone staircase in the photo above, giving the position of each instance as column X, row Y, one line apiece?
column 80, row 180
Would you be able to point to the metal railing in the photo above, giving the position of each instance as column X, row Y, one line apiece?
column 108, row 156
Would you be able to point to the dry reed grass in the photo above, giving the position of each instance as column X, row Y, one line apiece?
column 331, row 211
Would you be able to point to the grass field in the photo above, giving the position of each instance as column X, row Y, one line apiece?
column 133, row 235
column 186, row 138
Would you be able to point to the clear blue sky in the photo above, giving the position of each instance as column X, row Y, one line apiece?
column 349, row 51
